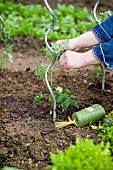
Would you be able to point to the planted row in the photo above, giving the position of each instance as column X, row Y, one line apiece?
column 35, row 19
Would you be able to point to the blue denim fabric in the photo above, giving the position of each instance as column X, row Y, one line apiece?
column 104, row 51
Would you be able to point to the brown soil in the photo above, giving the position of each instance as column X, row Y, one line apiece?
column 76, row 3
column 28, row 133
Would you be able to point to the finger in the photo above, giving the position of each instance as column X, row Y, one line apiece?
column 77, row 48
column 62, row 59
column 59, row 42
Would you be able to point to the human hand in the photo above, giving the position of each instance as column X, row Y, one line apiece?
column 72, row 44
column 71, row 59
column 85, row 40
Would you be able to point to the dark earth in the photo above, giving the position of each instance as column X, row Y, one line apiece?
column 28, row 133
column 76, row 3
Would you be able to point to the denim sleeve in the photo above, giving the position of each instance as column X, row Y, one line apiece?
column 104, row 31
column 104, row 53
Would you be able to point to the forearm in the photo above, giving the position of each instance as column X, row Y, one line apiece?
column 86, row 40
column 90, row 58
column 100, row 33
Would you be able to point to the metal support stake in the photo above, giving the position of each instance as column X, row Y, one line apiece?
column 98, row 22
column 3, row 24
column 54, row 58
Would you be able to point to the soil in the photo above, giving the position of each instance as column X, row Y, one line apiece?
column 28, row 133
column 77, row 3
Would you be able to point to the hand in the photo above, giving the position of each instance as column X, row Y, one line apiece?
column 72, row 44
column 85, row 40
column 71, row 59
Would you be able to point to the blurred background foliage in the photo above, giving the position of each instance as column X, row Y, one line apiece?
column 35, row 19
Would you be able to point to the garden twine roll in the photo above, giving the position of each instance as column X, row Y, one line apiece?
column 88, row 115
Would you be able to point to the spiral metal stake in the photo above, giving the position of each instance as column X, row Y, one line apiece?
column 98, row 22
column 54, row 58
column 3, row 24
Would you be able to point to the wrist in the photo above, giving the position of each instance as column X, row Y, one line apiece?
column 86, row 40
column 90, row 59
column 75, row 44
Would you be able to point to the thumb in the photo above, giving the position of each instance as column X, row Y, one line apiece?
column 59, row 42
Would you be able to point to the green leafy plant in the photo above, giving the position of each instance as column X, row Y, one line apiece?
column 95, row 70
column 64, row 98
column 84, row 155
column 8, row 168
column 37, row 99
column 106, row 130
column 105, row 15
column 35, row 19
column 40, row 71
column 6, row 39
column 59, row 50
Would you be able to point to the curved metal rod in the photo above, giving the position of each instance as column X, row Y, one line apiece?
column 54, row 58
column 95, row 10
column 98, row 22
column 3, row 24
column 103, row 76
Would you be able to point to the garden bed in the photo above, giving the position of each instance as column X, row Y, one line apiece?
column 28, row 133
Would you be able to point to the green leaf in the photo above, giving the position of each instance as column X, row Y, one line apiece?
column 50, row 99
column 40, row 71
column 81, row 156
column 65, row 45
column 60, row 98
column 55, row 46
column 65, row 104
column 73, row 97
column 3, row 60
column 51, row 112
column 10, row 58
column 106, row 130
column 67, row 90
column 37, row 99
column 94, row 127
column 8, row 168
column 75, row 103
column 96, row 71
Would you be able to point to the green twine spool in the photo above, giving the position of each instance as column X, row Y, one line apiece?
column 88, row 115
